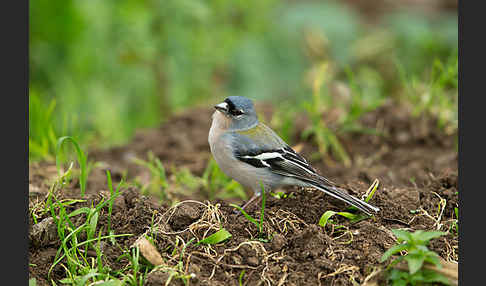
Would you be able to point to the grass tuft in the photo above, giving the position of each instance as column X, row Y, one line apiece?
column 42, row 137
column 259, row 224
column 159, row 183
column 323, row 136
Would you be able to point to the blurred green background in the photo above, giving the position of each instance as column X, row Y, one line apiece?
column 101, row 69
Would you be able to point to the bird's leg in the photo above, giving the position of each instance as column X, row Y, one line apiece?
column 256, row 198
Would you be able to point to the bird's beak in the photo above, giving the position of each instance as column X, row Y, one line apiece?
column 222, row 107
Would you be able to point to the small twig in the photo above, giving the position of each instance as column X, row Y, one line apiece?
column 442, row 206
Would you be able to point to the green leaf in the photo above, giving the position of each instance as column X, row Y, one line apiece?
column 325, row 217
column 432, row 276
column 422, row 248
column 348, row 215
column 399, row 282
column 393, row 250
column 328, row 214
column 402, row 235
column 416, row 278
column 422, row 237
column 415, row 262
column 396, row 274
column 433, row 258
column 398, row 277
column 359, row 217
column 217, row 237
column 32, row 282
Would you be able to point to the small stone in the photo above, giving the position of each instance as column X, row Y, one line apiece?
column 252, row 261
column 245, row 250
column 193, row 268
column 44, row 232
column 278, row 242
column 183, row 217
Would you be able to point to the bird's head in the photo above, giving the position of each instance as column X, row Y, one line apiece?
column 239, row 111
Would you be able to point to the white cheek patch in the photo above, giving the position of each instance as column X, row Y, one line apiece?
column 222, row 105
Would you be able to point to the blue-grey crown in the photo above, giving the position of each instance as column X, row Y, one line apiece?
column 240, row 102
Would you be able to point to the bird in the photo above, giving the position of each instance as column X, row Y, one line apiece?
column 252, row 154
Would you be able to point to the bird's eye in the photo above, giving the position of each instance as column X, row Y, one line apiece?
column 236, row 112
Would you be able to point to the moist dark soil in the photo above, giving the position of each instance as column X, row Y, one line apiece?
column 414, row 160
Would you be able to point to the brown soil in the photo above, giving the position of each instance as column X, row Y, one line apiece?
column 415, row 162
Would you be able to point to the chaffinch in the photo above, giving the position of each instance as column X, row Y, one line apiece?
column 251, row 153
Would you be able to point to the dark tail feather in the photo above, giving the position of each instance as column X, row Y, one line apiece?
column 341, row 195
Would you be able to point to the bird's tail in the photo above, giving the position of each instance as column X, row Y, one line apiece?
column 342, row 195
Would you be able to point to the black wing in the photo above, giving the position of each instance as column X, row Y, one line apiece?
column 284, row 161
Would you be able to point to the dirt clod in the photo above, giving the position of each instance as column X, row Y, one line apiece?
column 159, row 277
column 278, row 242
column 184, row 215
column 43, row 233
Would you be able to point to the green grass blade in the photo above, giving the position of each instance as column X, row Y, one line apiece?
column 81, row 160
column 104, row 237
column 83, row 281
column 262, row 212
column 328, row 214
column 369, row 195
column 110, row 204
column 83, row 210
column 113, row 195
column 93, row 222
column 240, row 279
column 371, row 190
column 184, row 249
column 245, row 214
column 217, row 237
